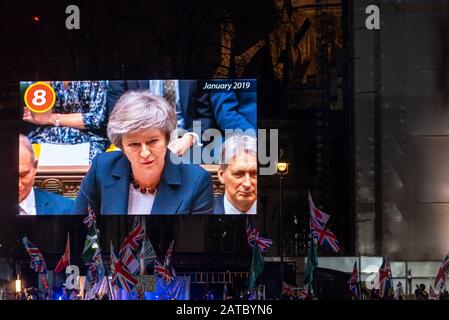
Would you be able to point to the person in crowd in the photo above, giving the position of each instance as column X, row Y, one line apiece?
column 184, row 95
column 421, row 293
column 444, row 294
column 78, row 116
column 143, row 178
column 33, row 201
column 238, row 174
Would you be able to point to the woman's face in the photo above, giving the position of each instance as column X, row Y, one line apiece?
column 145, row 149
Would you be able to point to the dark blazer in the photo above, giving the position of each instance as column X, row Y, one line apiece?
column 48, row 203
column 183, row 189
column 219, row 204
column 235, row 110
column 194, row 104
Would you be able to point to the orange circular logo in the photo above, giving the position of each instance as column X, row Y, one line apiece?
column 40, row 97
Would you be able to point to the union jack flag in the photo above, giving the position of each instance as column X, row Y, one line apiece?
column 440, row 280
column 90, row 219
column 169, row 253
column 133, row 240
column 432, row 294
column 385, row 277
column 320, row 231
column 324, row 235
column 130, row 261
column 121, row 276
column 288, row 289
column 353, row 282
column 37, row 259
column 316, row 214
column 301, row 293
column 253, row 236
column 163, row 272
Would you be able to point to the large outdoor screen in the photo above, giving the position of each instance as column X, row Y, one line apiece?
column 138, row 147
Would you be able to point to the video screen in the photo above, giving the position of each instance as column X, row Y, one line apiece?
column 138, row 147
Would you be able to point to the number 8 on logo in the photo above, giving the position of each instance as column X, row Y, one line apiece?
column 40, row 97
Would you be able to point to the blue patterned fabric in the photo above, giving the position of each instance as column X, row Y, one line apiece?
column 87, row 98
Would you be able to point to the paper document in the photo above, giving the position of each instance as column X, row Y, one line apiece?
column 64, row 154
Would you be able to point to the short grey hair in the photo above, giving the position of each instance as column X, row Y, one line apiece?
column 235, row 145
column 139, row 110
column 24, row 142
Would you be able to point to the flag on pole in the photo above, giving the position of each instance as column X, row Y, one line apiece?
column 121, row 276
column 354, row 284
column 319, row 229
column 161, row 271
column 256, row 268
column 301, row 293
column 440, row 280
column 37, row 260
column 385, row 278
column 254, row 238
column 65, row 259
column 288, row 289
column 432, row 294
column 90, row 219
column 133, row 241
column 316, row 214
column 130, row 261
column 312, row 263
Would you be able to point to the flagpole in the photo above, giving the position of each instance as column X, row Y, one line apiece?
column 281, row 243
column 142, row 256
column 314, row 269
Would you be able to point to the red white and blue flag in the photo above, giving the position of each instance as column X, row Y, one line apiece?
column 316, row 214
column 130, row 261
column 354, row 284
column 324, row 236
column 37, row 262
column 37, row 259
column 432, row 294
column 319, row 229
column 65, row 259
column 385, row 278
column 90, row 219
column 161, row 271
column 133, row 241
column 301, row 293
column 121, row 276
column 253, row 236
column 440, row 281
column 288, row 289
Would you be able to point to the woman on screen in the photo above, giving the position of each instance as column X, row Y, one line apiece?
column 78, row 116
column 142, row 179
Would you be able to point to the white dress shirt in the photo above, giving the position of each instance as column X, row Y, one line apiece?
column 28, row 205
column 230, row 209
column 139, row 203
